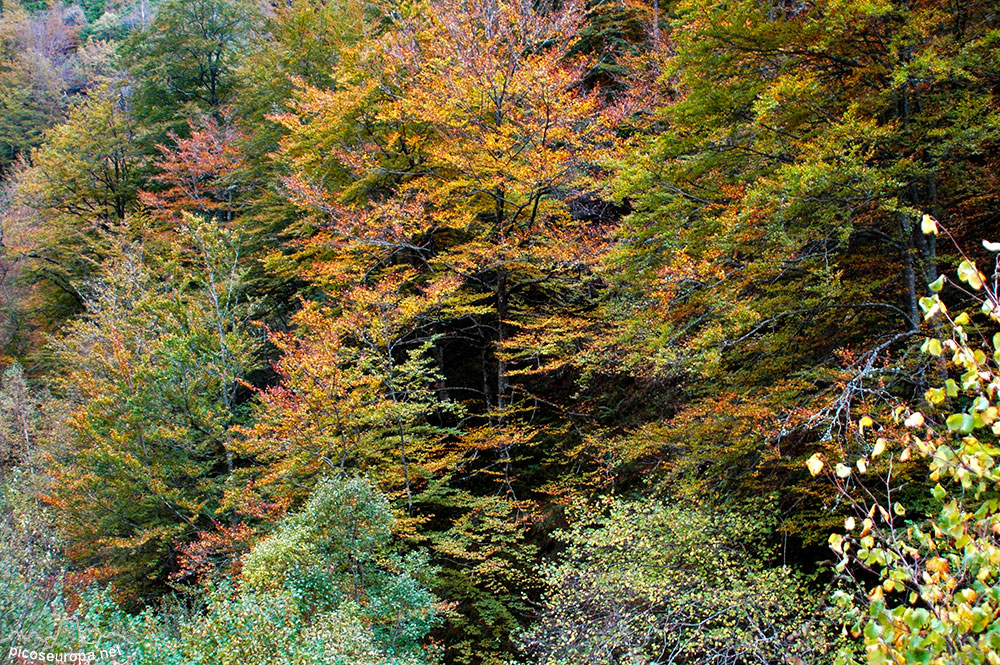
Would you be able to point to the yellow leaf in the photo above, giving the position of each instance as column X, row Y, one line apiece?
column 929, row 225
column 937, row 565
column 815, row 464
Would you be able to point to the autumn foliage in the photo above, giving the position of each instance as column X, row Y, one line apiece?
column 491, row 331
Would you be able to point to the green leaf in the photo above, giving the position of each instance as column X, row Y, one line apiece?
column 960, row 422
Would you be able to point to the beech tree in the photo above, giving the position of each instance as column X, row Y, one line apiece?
column 184, row 62
column 201, row 175
column 80, row 183
column 455, row 145
column 151, row 369
column 356, row 393
column 470, row 152
column 774, row 262
column 30, row 88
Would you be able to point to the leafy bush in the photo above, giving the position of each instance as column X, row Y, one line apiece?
column 326, row 588
column 30, row 577
column 336, row 556
column 651, row 583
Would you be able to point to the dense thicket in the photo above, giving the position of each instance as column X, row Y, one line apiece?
column 493, row 331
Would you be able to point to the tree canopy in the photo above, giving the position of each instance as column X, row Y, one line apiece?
column 500, row 331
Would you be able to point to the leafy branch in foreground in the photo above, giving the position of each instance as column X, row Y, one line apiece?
column 922, row 583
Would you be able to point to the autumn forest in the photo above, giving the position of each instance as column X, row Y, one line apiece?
column 562, row 332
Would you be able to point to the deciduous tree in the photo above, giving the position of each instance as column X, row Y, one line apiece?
column 149, row 375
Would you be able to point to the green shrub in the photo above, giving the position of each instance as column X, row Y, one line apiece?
column 650, row 583
column 336, row 555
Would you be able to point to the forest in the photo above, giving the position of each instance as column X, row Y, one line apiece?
column 500, row 332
